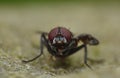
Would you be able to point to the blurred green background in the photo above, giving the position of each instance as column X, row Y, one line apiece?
column 56, row 1
column 20, row 19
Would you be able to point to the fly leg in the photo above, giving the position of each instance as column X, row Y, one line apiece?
column 42, row 43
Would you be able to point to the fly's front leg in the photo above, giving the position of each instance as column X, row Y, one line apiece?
column 74, row 50
column 87, row 39
column 42, row 42
column 85, row 57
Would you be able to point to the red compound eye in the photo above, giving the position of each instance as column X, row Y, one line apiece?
column 60, row 31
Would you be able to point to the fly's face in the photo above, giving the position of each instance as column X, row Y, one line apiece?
column 59, row 40
column 59, row 37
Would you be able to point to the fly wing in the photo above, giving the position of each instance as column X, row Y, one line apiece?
column 88, row 39
column 40, row 32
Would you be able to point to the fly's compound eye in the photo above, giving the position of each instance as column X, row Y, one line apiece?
column 59, row 40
